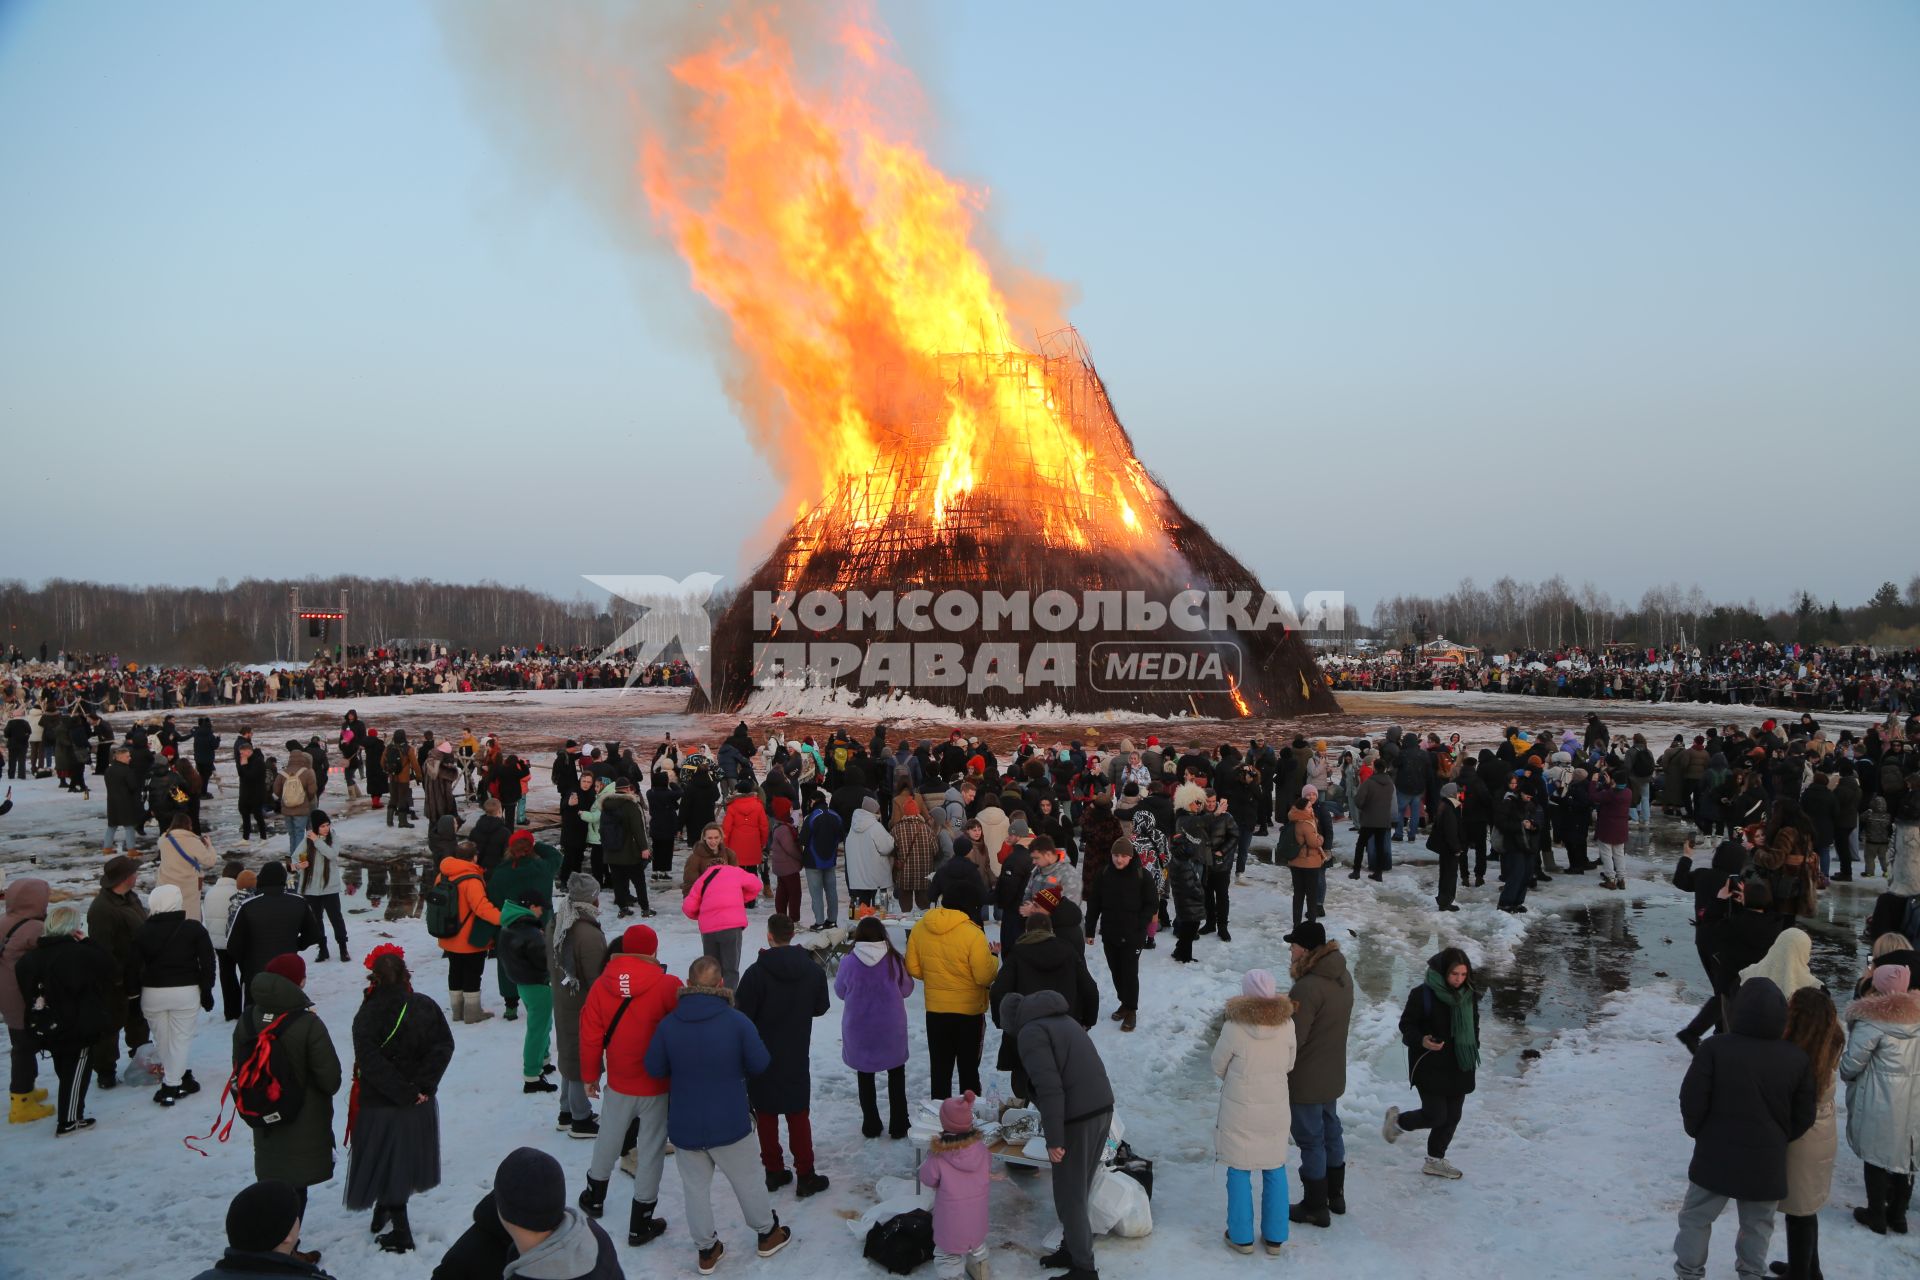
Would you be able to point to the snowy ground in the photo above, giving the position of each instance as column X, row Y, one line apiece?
column 1574, row 1158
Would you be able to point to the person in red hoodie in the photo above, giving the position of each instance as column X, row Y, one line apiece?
column 617, row 1023
column 745, row 829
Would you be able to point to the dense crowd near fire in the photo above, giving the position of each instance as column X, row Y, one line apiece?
column 1003, row 867
column 1788, row 677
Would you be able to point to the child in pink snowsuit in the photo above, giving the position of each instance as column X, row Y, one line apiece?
column 956, row 1168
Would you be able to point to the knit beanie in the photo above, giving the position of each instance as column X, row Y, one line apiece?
column 1257, row 983
column 530, row 1190
column 640, row 940
column 582, row 888
column 1890, row 978
column 1122, row 847
column 956, row 1114
column 1047, row 900
column 291, row 967
column 262, row 1216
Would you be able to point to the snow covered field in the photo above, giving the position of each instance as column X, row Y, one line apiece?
column 1574, row 1160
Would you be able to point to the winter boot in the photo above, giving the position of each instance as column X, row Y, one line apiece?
column 166, row 1095
column 378, row 805
column 773, row 1239
column 26, row 1110
column 1313, row 1209
column 539, row 1084
column 475, row 1013
column 642, row 1226
column 810, row 1184
column 456, row 1006
column 1437, row 1167
column 353, row 793
column 1874, row 1216
column 1337, row 1188
column 400, row 1238
column 593, row 1201
column 1391, row 1129
column 188, row 1085
column 1899, row 1195
column 979, row 1269
column 778, row 1178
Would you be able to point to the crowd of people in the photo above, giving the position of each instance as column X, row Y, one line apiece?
column 979, row 884
column 1790, row 677
column 78, row 684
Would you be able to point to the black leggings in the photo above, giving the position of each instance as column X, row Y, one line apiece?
column 953, row 1040
column 1439, row 1114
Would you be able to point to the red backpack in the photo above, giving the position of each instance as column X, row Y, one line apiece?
column 265, row 1090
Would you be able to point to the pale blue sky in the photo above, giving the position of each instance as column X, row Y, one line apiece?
column 1383, row 292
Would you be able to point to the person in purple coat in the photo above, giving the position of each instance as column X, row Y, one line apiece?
column 873, row 986
column 1612, row 807
column 958, row 1170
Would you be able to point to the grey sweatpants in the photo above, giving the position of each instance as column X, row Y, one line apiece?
column 617, row 1111
column 724, row 945
column 740, row 1162
column 1073, row 1182
column 1697, row 1213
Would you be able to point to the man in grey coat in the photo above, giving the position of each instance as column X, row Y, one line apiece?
column 1075, row 1101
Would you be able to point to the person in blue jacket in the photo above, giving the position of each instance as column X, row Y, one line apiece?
column 705, row 1050
column 820, row 837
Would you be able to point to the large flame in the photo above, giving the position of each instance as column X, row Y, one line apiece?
column 846, row 266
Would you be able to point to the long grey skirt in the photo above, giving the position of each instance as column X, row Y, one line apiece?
column 395, row 1154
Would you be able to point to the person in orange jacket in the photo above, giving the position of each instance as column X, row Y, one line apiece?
column 479, row 921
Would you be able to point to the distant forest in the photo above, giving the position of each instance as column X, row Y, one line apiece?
column 1517, row 616
column 249, row 621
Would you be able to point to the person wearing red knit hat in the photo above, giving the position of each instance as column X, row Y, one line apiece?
column 298, row 1151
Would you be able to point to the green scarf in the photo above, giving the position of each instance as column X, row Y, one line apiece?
column 1466, row 1046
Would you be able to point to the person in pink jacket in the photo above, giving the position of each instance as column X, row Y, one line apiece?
column 957, row 1169
column 718, row 901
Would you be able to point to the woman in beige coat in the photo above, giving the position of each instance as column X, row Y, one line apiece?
column 1252, row 1057
column 185, row 860
column 1815, row 1027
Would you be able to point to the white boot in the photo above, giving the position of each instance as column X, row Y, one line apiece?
column 979, row 1269
column 457, row 1006
column 1437, row 1167
column 1391, row 1130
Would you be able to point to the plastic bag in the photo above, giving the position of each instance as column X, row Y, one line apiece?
column 1119, row 1205
column 143, row 1067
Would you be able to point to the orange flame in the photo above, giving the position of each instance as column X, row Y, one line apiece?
column 845, row 265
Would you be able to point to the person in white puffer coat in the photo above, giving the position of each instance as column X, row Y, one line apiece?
column 869, row 854
column 1881, row 1066
column 1252, row 1057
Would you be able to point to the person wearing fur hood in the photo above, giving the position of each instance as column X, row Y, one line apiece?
column 1252, row 1057
column 1881, row 1067
column 959, row 1171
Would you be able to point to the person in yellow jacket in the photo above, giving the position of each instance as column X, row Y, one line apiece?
column 949, row 955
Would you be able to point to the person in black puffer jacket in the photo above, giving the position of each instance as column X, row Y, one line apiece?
column 69, row 987
column 489, row 835
column 176, row 983
column 272, row 923
column 1747, row 1095
column 401, row 1048
column 1039, row 961
column 1123, row 899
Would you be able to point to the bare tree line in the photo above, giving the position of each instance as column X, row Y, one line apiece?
column 1512, row 615
column 249, row 621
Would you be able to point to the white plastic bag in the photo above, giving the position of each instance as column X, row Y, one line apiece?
column 143, row 1067
column 1118, row 1205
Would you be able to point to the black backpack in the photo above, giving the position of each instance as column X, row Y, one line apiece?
column 902, row 1242
column 266, row 1091
column 443, row 916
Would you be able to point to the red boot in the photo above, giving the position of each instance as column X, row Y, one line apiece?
column 376, row 802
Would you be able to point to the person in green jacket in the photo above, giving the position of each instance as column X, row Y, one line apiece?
column 300, row 1151
column 530, row 867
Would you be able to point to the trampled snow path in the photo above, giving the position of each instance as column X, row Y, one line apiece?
column 1575, row 1162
